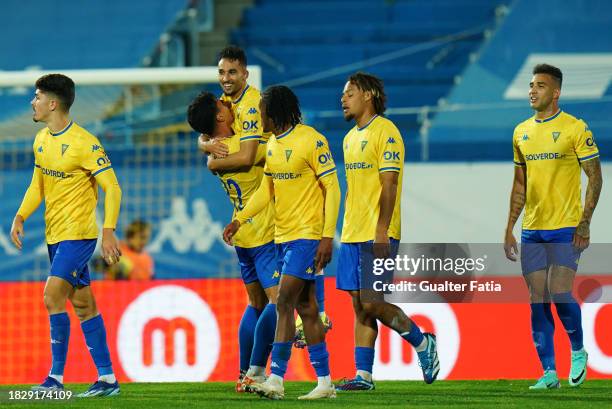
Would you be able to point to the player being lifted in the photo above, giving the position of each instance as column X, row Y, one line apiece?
column 231, row 133
column 69, row 163
column 233, row 160
column 300, row 179
column 549, row 150
column 374, row 162
column 254, row 244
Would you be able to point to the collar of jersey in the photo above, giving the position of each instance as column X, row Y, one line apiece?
column 287, row 132
column 550, row 118
column 241, row 95
column 62, row 131
column 369, row 122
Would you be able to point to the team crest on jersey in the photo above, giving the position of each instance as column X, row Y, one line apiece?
column 555, row 136
column 363, row 145
column 64, row 147
column 288, row 154
column 525, row 137
column 320, row 144
column 391, row 140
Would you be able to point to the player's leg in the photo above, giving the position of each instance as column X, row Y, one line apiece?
column 288, row 292
column 375, row 306
column 366, row 327
column 315, row 337
column 257, row 300
column 94, row 331
column 300, row 338
column 56, row 293
column 564, row 260
column 534, row 266
column 268, row 273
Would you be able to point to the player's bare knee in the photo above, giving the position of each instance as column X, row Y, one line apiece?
column 285, row 303
column 54, row 302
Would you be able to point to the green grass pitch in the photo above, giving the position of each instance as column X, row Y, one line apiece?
column 388, row 394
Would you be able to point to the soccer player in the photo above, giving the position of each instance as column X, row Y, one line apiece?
column 549, row 150
column 374, row 162
column 247, row 143
column 254, row 243
column 69, row 164
column 300, row 179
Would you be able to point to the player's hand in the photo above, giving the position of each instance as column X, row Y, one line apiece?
column 17, row 231
column 110, row 247
column 213, row 146
column 324, row 253
column 582, row 236
column 510, row 247
column 230, row 231
column 381, row 246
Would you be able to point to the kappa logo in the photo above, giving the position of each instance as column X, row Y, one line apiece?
column 40, row 149
column 276, row 274
column 64, row 147
column 391, row 140
column 525, row 137
column 555, row 136
column 269, row 152
column 363, row 145
column 288, row 153
column 320, row 144
column 252, row 111
column 95, row 148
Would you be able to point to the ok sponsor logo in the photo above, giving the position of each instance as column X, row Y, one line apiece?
column 168, row 334
column 396, row 359
column 325, row 157
column 249, row 125
column 389, row 155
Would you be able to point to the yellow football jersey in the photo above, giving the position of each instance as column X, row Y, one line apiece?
column 376, row 147
column 247, row 119
column 295, row 161
column 68, row 161
column 240, row 186
column 552, row 150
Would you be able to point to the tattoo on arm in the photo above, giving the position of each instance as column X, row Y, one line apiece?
column 592, row 168
column 517, row 197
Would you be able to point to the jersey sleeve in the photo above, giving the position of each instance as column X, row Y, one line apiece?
column 390, row 151
column 94, row 158
column 250, row 127
column 321, row 159
column 584, row 144
column 519, row 159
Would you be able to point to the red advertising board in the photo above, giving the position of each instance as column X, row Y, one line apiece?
column 187, row 330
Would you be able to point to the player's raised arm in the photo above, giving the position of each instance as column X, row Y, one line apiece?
column 31, row 200
column 256, row 204
column 241, row 160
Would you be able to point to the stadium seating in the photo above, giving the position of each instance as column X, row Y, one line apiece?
column 314, row 36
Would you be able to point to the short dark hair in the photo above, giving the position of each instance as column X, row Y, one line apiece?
column 550, row 70
column 374, row 85
column 234, row 53
column 59, row 85
column 282, row 106
column 202, row 113
column 137, row 226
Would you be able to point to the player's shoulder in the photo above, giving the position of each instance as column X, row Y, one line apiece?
column 250, row 98
column 308, row 133
column 572, row 122
column 523, row 126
